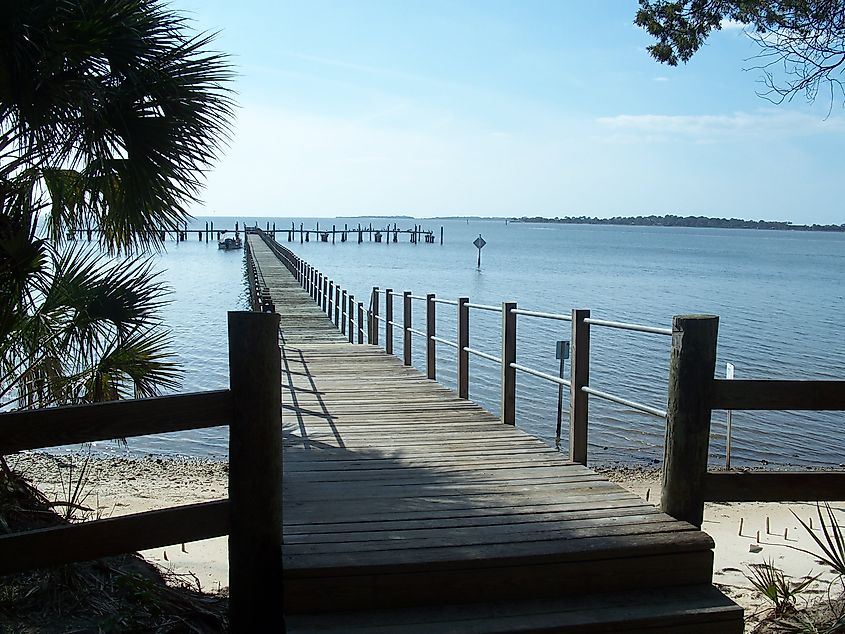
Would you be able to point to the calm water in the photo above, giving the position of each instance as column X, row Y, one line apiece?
column 780, row 296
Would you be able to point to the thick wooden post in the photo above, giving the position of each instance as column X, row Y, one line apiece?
column 331, row 302
column 388, row 320
column 255, row 473
column 579, row 369
column 406, row 326
column 343, row 305
column 430, row 333
column 374, row 323
column 463, row 343
column 350, row 315
column 337, row 305
column 318, row 294
column 692, row 365
column 360, row 322
column 324, row 305
column 508, row 357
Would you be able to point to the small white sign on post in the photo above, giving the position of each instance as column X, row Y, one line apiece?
column 730, row 369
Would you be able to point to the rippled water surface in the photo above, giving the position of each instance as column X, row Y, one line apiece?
column 780, row 297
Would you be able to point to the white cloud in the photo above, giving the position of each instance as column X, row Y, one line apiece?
column 732, row 25
column 661, row 78
column 738, row 126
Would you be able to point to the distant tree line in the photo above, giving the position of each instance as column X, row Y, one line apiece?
column 670, row 220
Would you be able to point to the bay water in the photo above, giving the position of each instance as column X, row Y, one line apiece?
column 780, row 297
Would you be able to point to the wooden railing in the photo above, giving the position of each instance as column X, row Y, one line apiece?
column 692, row 395
column 251, row 515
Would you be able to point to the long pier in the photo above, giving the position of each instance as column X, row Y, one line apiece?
column 407, row 508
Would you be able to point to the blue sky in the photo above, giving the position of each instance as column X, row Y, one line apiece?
column 504, row 109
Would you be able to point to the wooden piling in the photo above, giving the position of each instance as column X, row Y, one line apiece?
column 579, row 369
column 463, row 344
column 430, row 333
column 388, row 320
column 692, row 366
column 508, row 404
column 301, row 237
column 255, row 473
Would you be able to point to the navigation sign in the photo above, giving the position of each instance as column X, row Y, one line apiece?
column 562, row 351
column 479, row 243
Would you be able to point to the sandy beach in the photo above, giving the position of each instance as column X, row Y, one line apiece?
column 118, row 486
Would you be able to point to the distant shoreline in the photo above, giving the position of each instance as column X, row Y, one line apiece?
column 682, row 221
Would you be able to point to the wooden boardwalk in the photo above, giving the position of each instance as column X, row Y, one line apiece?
column 408, row 509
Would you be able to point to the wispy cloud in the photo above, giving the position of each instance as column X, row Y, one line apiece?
column 732, row 25
column 720, row 128
column 661, row 78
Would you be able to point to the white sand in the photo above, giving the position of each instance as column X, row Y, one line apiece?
column 119, row 486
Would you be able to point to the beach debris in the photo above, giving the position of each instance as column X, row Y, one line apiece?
column 768, row 531
column 741, row 522
column 647, row 493
column 754, row 548
column 183, row 549
column 758, row 537
column 165, row 556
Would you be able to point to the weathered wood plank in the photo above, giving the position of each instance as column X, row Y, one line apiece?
column 112, row 536
column 57, row 426
column 753, row 394
column 775, row 486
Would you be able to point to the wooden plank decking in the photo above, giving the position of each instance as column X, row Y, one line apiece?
column 406, row 508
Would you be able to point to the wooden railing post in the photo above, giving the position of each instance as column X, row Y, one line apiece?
column 360, row 322
column 324, row 289
column 331, row 302
column 508, row 357
column 337, row 305
column 406, row 326
column 373, row 321
column 692, row 366
column 350, row 315
column 318, row 295
column 343, row 305
column 579, row 369
column 255, row 473
column 388, row 320
column 430, row 333
column 463, row 343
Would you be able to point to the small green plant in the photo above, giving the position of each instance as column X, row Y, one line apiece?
column 770, row 581
column 831, row 543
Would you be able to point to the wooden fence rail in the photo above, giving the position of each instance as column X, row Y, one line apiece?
column 693, row 392
column 252, row 514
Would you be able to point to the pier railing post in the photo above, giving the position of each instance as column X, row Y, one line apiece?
column 350, row 315
column 692, row 365
column 373, row 321
column 360, row 322
column 337, row 305
column 255, row 473
column 579, row 377
column 406, row 326
column 330, row 303
column 388, row 320
column 430, row 333
column 508, row 357
column 463, row 344
column 319, row 292
column 343, row 305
